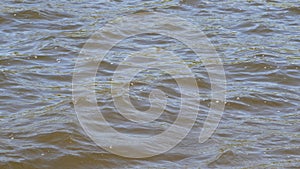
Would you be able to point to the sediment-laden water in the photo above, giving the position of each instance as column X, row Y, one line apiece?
column 258, row 41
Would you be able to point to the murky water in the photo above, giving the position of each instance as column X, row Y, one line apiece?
column 258, row 41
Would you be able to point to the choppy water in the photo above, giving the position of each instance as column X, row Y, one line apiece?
column 259, row 43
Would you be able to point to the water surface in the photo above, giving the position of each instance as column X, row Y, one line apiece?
column 257, row 40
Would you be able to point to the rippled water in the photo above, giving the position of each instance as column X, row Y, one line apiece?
column 259, row 44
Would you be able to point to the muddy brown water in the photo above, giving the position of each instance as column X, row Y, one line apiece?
column 258, row 41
